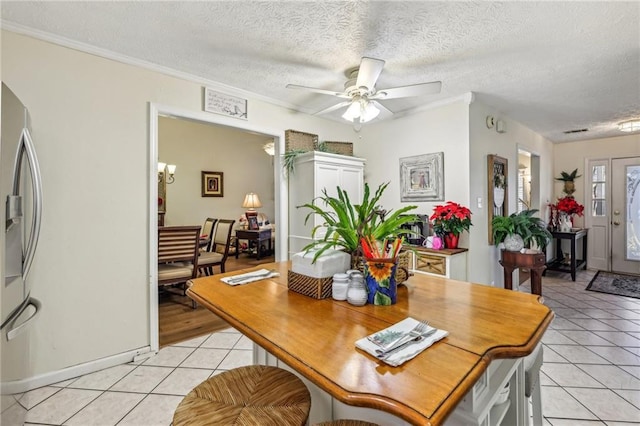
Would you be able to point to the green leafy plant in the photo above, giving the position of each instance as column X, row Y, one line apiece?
column 568, row 177
column 289, row 159
column 530, row 228
column 345, row 224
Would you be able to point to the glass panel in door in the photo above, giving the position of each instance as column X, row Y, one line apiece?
column 625, row 215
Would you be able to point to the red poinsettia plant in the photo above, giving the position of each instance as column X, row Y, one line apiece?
column 569, row 206
column 450, row 218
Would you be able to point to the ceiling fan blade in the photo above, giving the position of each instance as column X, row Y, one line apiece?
column 420, row 89
column 322, row 91
column 333, row 107
column 369, row 72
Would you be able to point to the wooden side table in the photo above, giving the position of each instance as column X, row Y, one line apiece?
column 535, row 262
column 258, row 236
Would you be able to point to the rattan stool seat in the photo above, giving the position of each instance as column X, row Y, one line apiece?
column 251, row 395
column 345, row 422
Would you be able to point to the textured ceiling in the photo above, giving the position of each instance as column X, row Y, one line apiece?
column 553, row 66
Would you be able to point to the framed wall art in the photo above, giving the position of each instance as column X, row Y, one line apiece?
column 221, row 103
column 497, row 200
column 212, row 184
column 422, row 177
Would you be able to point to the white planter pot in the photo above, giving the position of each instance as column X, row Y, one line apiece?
column 513, row 243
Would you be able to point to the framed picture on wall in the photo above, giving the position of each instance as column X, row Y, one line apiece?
column 212, row 184
column 497, row 199
column 422, row 177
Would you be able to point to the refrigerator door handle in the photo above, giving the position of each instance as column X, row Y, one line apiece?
column 36, row 184
column 14, row 330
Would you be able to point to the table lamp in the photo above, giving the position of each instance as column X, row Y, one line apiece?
column 251, row 201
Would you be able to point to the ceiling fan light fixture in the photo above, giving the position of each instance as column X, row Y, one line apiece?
column 629, row 126
column 361, row 110
column 352, row 112
column 369, row 112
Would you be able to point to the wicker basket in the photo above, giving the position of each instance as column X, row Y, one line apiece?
column 295, row 140
column 344, row 148
column 402, row 271
column 318, row 288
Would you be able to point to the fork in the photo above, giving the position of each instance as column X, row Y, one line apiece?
column 415, row 332
column 387, row 354
column 250, row 277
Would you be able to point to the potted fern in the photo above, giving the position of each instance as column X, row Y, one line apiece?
column 519, row 230
column 346, row 224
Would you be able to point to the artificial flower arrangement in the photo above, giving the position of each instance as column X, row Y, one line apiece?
column 568, row 205
column 450, row 218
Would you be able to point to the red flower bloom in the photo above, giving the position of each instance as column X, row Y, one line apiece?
column 569, row 206
column 451, row 217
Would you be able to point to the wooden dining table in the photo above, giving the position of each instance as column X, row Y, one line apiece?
column 316, row 338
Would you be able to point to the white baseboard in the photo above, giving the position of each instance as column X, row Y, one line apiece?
column 24, row 385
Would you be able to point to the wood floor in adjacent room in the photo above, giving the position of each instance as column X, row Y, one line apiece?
column 180, row 322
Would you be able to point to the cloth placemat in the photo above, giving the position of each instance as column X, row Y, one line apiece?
column 410, row 351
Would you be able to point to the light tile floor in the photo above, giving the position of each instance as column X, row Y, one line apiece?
column 590, row 376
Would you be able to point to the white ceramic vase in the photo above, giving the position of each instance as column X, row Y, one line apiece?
column 564, row 223
column 513, row 242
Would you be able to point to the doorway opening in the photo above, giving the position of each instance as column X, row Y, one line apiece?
column 280, row 191
column 528, row 188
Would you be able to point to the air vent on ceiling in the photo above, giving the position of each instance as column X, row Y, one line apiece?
column 567, row 132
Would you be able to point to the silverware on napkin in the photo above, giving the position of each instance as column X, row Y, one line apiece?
column 385, row 354
column 249, row 276
column 381, row 338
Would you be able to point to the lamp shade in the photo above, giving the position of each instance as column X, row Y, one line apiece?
column 251, row 201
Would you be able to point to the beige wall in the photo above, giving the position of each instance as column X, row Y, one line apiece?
column 571, row 155
column 90, row 126
column 195, row 147
column 483, row 260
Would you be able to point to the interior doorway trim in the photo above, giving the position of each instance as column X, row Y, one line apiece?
column 280, row 193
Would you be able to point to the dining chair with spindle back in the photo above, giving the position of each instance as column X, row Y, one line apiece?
column 219, row 251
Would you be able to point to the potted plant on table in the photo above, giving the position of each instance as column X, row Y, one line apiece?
column 562, row 213
column 519, row 230
column 449, row 221
column 372, row 235
column 346, row 224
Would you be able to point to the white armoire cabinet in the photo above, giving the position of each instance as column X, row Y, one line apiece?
column 313, row 172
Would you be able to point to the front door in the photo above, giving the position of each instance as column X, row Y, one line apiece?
column 625, row 215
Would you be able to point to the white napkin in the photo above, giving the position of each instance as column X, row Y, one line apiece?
column 410, row 351
column 249, row 277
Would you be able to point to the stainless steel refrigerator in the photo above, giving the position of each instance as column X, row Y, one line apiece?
column 21, row 192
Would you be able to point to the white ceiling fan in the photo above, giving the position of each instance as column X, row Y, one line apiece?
column 363, row 97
